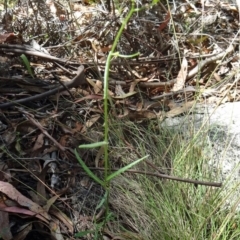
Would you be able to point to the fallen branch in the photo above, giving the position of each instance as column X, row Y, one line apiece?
column 160, row 175
column 78, row 80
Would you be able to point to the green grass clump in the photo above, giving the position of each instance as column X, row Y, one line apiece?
column 163, row 209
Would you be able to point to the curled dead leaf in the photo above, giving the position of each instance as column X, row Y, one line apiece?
column 15, row 195
column 181, row 78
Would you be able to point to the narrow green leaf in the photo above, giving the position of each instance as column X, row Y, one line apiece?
column 87, row 170
column 93, row 145
column 129, row 56
column 27, row 64
column 104, row 199
column 113, row 175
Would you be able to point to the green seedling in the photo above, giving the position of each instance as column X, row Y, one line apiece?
column 108, row 175
column 27, row 65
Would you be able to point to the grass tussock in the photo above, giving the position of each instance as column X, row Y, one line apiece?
column 148, row 207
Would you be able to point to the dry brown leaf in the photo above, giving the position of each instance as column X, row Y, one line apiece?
column 97, row 87
column 139, row 106
column 172, row 104
column 145, row 114
column 124, row 95
column 181, row 109
column 106, row 49
column 50, row 202
column 133, row 85
column 18, row 210
column 149, row 105
column 63, row 218
column 164, row 24
column 90, row 122
column 37, row 197
column 181, row 78
column 65, row 129
column 39, row 142
column 8, row 37
column 64, row 140
column 14, row 194
column 78, row 127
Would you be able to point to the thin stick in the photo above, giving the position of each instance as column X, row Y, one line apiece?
column 212, row 184
column 39, row 126
column 78, row 80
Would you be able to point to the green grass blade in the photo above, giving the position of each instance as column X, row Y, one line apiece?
column 113, row 175
column 104, row 199
column 129, row 56
column 27, row 64
column 87, row 170
column 93, row 145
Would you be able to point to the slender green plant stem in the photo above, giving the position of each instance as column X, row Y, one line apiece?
column 106, row 98
column 106, row 95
